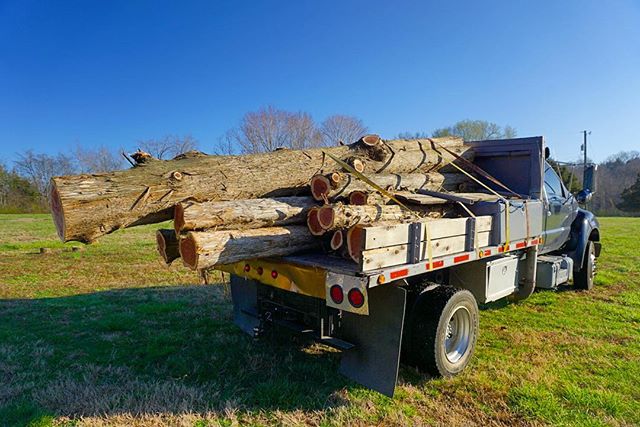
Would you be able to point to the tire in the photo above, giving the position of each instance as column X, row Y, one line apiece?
column 442, row 331
column 583, row 279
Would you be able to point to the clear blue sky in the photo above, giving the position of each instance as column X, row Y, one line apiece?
column 113, row 72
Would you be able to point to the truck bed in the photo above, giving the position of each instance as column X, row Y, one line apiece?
column 495, row 225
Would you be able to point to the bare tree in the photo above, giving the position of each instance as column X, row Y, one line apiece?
column 476, row 130
column 301, row 131
column 168, row 146
column 340, row 128
column 225, row 146
column 270, row 128
column 413, row 135
column 40, row 168
column 100, row 159
column 616, row 173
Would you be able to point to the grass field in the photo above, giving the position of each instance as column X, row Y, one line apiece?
column 110, row 336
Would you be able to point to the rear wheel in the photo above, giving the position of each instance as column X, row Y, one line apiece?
column 583, row 279
column 442, row 331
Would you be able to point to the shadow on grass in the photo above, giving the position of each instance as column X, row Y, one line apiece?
column 150, row 350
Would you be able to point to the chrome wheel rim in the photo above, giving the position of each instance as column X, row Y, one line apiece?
column 458, row 334
column 593, row 265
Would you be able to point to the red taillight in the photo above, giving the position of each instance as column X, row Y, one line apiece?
column 356, row 297
column 247, row 267
column 274, row 274
column 336, row 294
column 259, row 269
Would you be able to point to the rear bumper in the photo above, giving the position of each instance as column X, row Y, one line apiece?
column 300, row 279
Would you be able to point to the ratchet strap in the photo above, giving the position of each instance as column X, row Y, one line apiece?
column 429, row 249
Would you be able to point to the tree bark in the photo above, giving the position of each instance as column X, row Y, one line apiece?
column 85, row 207
column 167, row 245
column 337, row 216
column 330, row 187
column 241, row 214
column 206, row 249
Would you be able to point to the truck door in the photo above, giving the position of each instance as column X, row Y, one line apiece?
column 559, row 213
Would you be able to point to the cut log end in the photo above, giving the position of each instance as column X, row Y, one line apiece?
column 188, row 251
column 57, row 211
column 326, row 217
column 358, row 165
column 337, row 240
column 370, row 140
column 358, row 198
column 355, row 237
column 320, row 187
column 335, row 178
column 313, row 222
column 178, row 218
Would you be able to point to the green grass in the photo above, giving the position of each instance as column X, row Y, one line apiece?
column 111, row 336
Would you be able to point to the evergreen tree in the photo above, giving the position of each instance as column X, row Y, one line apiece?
column 631, row 197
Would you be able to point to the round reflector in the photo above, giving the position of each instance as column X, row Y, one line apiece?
column 247, row 267
column 274, row 274
column 260, row 270
column 356, row 297
column 336, row 294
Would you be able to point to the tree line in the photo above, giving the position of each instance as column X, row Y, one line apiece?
column 24, row 185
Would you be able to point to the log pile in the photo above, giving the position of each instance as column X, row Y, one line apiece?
column 232, row 208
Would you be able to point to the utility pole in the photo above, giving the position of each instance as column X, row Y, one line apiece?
column 584, row 150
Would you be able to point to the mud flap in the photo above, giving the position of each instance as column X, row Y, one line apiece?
column 375, row 359
column 244, row 294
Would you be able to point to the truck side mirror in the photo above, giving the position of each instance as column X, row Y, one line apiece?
column 584, row 196
column 547, row 153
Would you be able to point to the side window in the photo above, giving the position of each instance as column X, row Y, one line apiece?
column 552, row 182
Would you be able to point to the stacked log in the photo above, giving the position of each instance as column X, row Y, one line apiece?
column 232, row 208
column 201, row 250
column 336, row 185
column 240, row 214
column 348, row 221
column 88, row 206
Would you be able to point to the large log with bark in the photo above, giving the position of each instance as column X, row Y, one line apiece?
column 241, row 214
column 337, row 216
column 85, row 207
column 331, row 186
column 206, row 249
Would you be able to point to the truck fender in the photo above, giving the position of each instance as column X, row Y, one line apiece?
column 585, row 227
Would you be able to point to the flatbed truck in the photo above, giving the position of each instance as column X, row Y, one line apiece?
column 414, row 295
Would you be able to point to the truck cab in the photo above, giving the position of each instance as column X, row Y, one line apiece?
column 571, row 234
